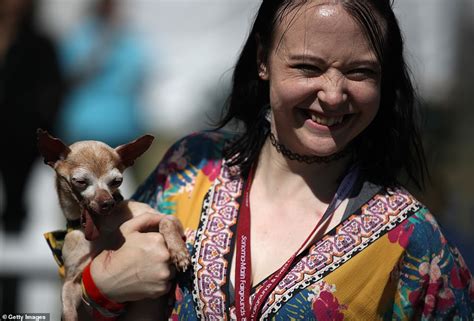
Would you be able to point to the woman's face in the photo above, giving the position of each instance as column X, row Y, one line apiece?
column 324, row 80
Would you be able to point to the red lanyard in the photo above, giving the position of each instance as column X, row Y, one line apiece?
column 243, row 271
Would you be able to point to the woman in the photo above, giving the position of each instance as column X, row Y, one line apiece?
column 30, row 97
column 328, row 108
column 105, row 67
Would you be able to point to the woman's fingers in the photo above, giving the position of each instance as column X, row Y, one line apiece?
column 146, row 222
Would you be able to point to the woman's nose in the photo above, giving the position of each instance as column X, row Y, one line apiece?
column 332, row 92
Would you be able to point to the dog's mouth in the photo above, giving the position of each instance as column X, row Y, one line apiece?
column 91, row 212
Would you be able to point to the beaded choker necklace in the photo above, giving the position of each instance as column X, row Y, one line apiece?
column 282, row 149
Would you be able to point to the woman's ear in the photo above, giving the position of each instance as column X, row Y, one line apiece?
column 261, row 59
column 262, row 71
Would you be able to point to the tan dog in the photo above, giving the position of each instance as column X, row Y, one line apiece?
column 88, row 177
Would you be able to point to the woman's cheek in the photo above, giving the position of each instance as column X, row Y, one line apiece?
column 292, row 93
column 365, row 96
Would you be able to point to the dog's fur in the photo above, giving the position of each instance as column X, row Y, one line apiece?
column 88, row 176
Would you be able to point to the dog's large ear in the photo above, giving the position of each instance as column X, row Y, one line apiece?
column 52, row 149
column 130, row 152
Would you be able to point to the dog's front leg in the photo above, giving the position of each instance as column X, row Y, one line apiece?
column 172, row 231
column 76, row 255
column 71, row 297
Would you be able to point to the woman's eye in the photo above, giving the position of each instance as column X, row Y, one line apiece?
column 359, row 74
column 116, row 182
column 309, row 69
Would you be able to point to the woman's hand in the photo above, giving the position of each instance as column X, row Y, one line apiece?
column 140, row 268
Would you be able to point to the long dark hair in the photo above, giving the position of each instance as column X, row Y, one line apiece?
column 389, row 145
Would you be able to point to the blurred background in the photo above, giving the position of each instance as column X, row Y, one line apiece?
column 112, row 70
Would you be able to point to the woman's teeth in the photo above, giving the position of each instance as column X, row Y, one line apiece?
column 326, row 121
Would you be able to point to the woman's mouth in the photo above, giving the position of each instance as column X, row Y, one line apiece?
column 324, row 120
column 327, row 121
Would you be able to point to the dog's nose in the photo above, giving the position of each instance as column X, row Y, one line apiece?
column 106, row 205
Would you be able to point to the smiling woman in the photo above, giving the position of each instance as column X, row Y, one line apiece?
column 324, row 88
column 302, row 215
column 341, row 63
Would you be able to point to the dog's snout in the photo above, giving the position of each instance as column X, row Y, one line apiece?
column 106, row 205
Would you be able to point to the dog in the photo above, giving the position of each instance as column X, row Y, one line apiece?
column 88, row 177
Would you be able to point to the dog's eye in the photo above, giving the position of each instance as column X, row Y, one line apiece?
column 116, row 182
column 79, row 182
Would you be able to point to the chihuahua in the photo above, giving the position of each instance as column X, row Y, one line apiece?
column 88, row 177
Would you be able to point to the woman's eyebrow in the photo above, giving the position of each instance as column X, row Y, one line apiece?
column 310, row 58
column 372, row 63
column 306, row 57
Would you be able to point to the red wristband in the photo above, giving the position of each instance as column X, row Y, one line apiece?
column 95, row 295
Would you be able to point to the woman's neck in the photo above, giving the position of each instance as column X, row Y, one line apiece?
column 290, row 178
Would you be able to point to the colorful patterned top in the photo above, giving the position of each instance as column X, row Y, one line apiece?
column 386, row 260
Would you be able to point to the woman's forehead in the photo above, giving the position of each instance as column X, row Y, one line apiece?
column 316, row 21
column 299, row 5
column 309, row 9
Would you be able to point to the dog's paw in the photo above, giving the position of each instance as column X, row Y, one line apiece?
column 181, row 260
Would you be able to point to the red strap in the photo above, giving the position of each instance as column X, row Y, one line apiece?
column 243, row 270
column 95, row 295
